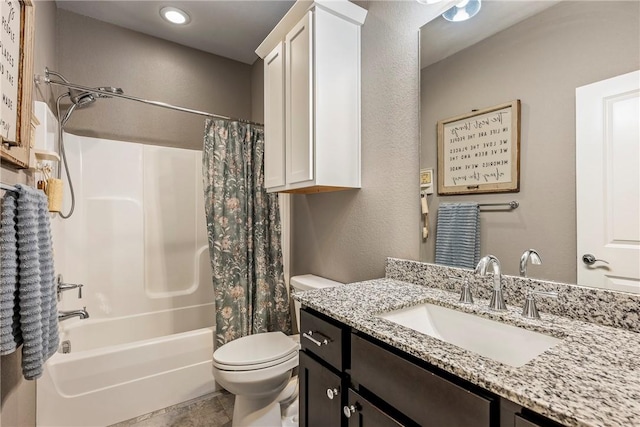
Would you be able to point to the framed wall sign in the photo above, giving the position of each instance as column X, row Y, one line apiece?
column 16, row 77
column 479, row 152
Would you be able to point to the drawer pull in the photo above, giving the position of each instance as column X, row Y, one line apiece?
column 349, row 410
column 323, row 340
column 332, row 392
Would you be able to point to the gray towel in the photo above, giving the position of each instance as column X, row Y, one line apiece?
column 458, row 235
column 10, row 337
column 36, row 287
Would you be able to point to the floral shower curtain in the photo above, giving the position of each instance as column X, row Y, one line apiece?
column 243, row 225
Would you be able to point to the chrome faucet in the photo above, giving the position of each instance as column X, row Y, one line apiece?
column 529, row 254
column 64, row 315
column 497, row 299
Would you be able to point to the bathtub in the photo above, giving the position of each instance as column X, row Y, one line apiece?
column 125, row 367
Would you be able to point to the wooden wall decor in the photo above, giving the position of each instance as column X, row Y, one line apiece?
column 479, row 152
column 16, row 77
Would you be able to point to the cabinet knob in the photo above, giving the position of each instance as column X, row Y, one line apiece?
column 332, row 392
column 349, row 410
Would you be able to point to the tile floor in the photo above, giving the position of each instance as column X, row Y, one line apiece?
column 212, row 410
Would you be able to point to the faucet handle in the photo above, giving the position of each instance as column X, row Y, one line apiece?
column 465, row 293
column 61, row 287
column 530, row 311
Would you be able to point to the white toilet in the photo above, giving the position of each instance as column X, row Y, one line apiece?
column 257, row 368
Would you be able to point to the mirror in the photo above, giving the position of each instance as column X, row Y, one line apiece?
column 539, row 53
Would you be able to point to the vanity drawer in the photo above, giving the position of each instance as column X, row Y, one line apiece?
column 363, row 413
column 421, row 395
column 322, row 338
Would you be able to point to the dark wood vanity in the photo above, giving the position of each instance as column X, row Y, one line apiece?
column 350, row 379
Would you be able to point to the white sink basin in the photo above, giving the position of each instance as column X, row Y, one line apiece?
column 498, row 341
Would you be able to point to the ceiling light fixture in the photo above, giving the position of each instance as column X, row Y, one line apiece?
column 464, row 10
column 175, row 15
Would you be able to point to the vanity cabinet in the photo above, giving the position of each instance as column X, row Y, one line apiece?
column 322, row 370
column 312, row 98
column 321, row 396
column 366, row 414
column 430, row 399
column 349, row 379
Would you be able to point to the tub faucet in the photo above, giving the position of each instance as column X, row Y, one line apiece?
column 64, row 315
column 497, row 299
column 529, row 254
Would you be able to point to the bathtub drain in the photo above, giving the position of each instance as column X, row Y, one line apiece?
column 66, row 346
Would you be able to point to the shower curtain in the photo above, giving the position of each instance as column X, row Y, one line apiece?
column 243, row 225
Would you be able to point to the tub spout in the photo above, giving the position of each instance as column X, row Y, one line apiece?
column 64, row 315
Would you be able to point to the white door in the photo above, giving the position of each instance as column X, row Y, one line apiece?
column 274, row 133
column 608, row 183
column 299, row 101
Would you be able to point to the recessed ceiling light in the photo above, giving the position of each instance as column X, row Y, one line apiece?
column 175, row 15
column 464, row 10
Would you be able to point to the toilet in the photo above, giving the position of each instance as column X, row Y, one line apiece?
column 257, row 369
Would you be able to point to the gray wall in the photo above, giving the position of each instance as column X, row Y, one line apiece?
column 45, row 47
column 346, row 236
column 257, row 91
column 94, row 53
column 539, row 61
column 17, row 395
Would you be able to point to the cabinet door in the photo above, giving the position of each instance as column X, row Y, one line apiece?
column 320, row 394
column 363, row 413
column 421, row 395
column 274, row 131
column 299, row 101
column 521, row 422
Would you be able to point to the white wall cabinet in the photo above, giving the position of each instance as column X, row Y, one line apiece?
column 274, row 115
column 312, row 98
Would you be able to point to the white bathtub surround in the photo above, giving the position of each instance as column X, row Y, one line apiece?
column 137, row 241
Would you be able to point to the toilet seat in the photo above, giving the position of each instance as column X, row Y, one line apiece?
column 226, row 367
column 257, row 351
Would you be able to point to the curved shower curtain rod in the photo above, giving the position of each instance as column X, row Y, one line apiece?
column 47, row 79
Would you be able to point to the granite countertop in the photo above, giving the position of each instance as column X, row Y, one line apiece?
column 591, row 378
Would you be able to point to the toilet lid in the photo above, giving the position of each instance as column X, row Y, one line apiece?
column 255, row 349
column 257, row 366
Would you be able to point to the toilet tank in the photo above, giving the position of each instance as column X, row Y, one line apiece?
column 307, row 282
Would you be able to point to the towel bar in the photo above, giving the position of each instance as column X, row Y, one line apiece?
column 7, row 187
column 512, row 204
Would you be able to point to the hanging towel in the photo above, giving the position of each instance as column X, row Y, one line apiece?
column 36, row 287
column 10, row 337
column 458, row 235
